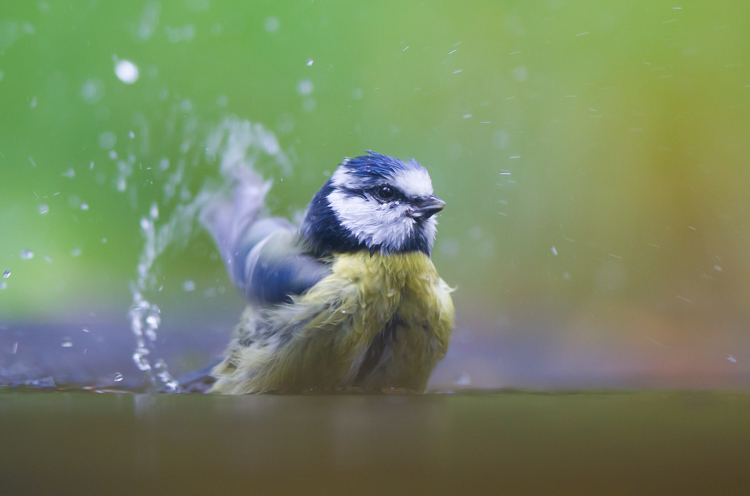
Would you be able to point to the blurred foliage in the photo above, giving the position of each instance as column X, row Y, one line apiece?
column 594, row 155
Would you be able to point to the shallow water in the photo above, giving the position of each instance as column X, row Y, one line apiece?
column 478, row 443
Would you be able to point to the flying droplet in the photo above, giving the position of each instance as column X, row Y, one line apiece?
column 107, row 140
column 27, row 254
column 272, row 24
column 304, row 87
column 464, row 379
column 188, row 286
column 43, row 208
column 126, row 71
column 67, row 343
column 118, row 377
column 732, row 359
column 92, row 91
column 309, row 62
column 554, row 251
column 6, row 274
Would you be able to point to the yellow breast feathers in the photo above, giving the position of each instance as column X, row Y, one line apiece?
column 377, row 322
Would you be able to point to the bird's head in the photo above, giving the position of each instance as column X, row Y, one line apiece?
column 373, row 202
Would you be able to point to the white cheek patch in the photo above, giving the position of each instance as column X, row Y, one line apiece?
column 413, row 182
column 372, row 223
column 429, row 227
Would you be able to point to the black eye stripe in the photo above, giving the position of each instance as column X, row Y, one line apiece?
column 376, row 192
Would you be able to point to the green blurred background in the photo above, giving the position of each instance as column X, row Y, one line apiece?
column 594, row 158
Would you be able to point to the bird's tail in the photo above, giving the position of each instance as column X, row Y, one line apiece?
column 229, row 214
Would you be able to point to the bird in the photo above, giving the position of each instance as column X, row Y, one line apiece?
column 349, row 299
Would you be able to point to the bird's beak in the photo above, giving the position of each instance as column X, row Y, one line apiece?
column 427, row 207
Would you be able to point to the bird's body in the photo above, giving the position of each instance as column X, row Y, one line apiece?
column 350, row 299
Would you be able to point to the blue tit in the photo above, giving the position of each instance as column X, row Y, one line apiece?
column 349, row 298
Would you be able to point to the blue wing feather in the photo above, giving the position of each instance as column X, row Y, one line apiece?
column 263, row 255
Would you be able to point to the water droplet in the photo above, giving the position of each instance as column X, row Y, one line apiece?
column 67, row 343
column 464, row 379
column 272, row 24
column 554, row 251
column 118, row 377
column 75, row 252
column 107, row 140
column 92, row 91
column 305, row 87
column 309, row 62
column 153, row 321
column 85, row 330
column 3, row 285
column 188, row 286
column 450, row 248
column 154, row 211
column 126, row 71
column 43, row 208
column 732, row 359
column 84, row 206
column 6, row 274
column 520, row 73
column 69, row 173
column 27, row 254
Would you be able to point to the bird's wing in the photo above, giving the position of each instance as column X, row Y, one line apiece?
column 263, row 255
column 276, row 268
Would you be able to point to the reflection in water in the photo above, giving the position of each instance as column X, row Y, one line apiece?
column 506, row 443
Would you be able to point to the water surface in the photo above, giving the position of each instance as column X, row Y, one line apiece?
column 478, row 443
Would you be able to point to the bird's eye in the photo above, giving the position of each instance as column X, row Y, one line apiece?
column 385, row 192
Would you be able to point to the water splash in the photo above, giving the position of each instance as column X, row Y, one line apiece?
column 145, row 317
column 237, row 145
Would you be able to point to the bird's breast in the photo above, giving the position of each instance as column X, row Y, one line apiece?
column 402, row 316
